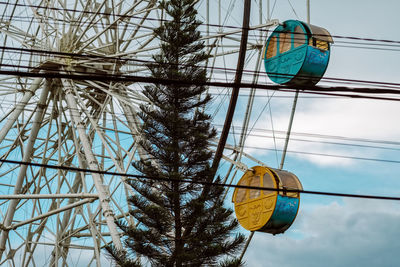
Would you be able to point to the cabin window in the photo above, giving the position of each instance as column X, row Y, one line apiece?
column 254, row 181
column 322, row 44
column 299, row 37
column 271, row 50
column 267, row 182
column 285, row 42
column 241, row 192
column 289, row 182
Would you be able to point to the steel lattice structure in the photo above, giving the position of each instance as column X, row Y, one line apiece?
column 49, row 216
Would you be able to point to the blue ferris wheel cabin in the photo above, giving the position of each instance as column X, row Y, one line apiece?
column 297, row 53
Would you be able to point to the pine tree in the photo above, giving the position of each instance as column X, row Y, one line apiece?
column 178, row 223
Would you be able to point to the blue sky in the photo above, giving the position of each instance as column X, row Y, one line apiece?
column 332, row 231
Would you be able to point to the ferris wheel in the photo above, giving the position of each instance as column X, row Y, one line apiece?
column 62, row 114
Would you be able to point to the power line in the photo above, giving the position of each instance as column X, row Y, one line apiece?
column 370, row 48
column 253, row 37
column 86, row 56
column 324, row 136
column 166, row 20
column 331, row 155
column 142, row 79
column 302, row 140
column 163, row 179
column 112, row 59
column 296, row 152
column 313, row 141
column 316, row 136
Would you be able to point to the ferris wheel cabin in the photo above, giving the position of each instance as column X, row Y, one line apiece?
column 297, row 53
column 267, row 211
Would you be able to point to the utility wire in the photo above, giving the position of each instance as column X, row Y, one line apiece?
column 252, row 37
column 294, row 152
column 324, row 136
column 350, row 92
column 313, row 141
column 136, row 176
column 331, row 155
column 112, row 59
column 166, row 20
column 293, row 139
column 256, row 38
column 125, row 59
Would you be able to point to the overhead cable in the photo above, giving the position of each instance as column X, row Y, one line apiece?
column 166, row 20
column 112, row 59
column 162, row 179
column 323, row 90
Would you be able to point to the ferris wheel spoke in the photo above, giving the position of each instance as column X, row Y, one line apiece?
column 33, row 236
column 112, row 147
column 68, row 228
column 5, row 25
column 63, row 241
column 117, row 141
column 138, row 27
column 93, row 233
column 53, row 211
column 94, row 18
column 23, row 169
column 18, row 188
column 105, row 28
column 92, row 162
column 16, row 34
column 12, row 118
column 79, row 25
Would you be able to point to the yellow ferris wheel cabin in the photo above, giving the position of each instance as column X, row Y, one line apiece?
column 267, row 210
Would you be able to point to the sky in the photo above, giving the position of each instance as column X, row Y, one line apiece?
column 334, row 231
column 350, row 233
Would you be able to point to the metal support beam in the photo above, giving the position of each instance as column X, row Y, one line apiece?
column 238, row 164
column 104, row 195
column 289, row 130
column 19, row 108
column 50, row 213
column 26, row 158
column 239, row 150
column 49, row 196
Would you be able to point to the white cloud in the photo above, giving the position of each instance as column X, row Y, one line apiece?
column 355, row 233
column 350, row 118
